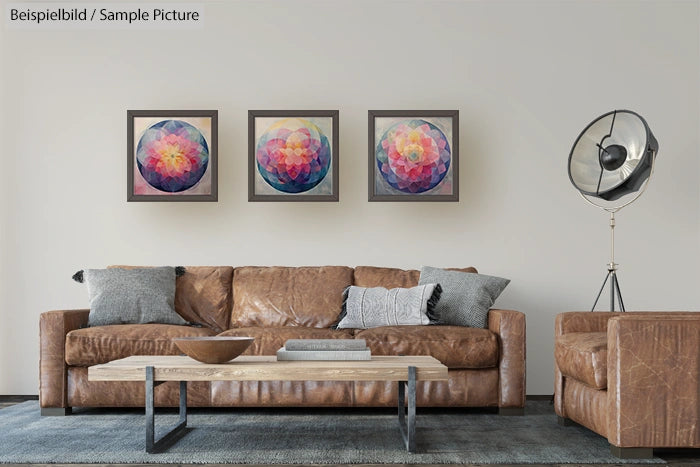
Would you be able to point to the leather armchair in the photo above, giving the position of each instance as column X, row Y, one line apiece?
column 631, row 377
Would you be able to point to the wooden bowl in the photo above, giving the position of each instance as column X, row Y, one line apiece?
column 213, row 349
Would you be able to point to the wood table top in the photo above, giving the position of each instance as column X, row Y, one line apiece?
column 267, row 368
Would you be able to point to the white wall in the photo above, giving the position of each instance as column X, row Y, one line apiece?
column 526, row 76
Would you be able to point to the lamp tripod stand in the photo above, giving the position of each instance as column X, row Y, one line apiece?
column 612, row 273
column 612, row 265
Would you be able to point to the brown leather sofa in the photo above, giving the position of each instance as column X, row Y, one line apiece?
column 633, row 378
column 273, row 304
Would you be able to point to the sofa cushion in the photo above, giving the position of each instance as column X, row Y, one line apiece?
column 203, row 295
column 455, row 346
column 284, row 296
column 584, row 357
column 466, row 298
column 101, row 344
column 131, row 296
column 269, row 340
column 390, row 278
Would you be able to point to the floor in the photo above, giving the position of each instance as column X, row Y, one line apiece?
column 675, row 457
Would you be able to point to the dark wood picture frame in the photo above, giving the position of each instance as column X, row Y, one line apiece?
column 396, row 195
column 252, row 165
column 212, row 194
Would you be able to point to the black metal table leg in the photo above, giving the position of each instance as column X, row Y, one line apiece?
column 408, row 427
column 153, row 445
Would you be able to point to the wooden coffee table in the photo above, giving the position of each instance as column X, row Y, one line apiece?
column 154, row 370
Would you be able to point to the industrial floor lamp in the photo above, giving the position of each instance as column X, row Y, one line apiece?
column 610, row 165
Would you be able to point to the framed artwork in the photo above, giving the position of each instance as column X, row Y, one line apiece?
column 413, row 155
column 172, row 155
column 293, row 155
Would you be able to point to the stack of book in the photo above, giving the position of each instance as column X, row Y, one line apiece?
column 324, row 349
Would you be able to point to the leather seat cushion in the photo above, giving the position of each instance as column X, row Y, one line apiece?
column 389, row 278
column 455, row 346
column 101, row 344
column 288, row 296
column 269, row 340
column 583, row 356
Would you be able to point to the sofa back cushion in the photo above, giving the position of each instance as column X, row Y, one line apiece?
column 390, row 278
column 288, row 296
column 203, row 295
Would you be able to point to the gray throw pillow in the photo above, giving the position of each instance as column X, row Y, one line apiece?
column 466, row 297
column 365, row 308
column 131, row 296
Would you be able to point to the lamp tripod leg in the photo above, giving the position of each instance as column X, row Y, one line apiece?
column 619, row 294
column 601, row 291
column 611, row 274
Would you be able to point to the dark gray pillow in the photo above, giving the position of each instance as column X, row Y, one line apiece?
column 466, row 297
column 365, row 308
column 131, row 296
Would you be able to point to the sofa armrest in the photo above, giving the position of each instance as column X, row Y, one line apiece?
column 509, row 325
column 53, row 327
column 654, row 380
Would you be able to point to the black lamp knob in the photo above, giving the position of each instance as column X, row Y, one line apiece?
column 613, row 156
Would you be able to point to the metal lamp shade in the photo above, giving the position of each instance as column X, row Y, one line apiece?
column 613, row 155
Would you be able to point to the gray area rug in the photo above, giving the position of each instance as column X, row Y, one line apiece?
column 300, row 436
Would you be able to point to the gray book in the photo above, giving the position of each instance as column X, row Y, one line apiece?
column 325, row 344
column 298, row 355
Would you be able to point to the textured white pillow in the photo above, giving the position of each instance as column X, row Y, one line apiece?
column 365, row 308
